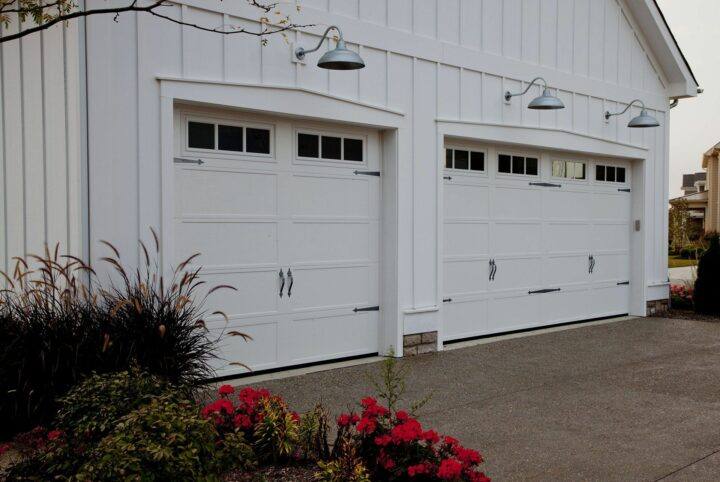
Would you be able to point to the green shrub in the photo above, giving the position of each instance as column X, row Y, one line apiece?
column 707, row 285
column 55, row 332
column 166, row 439
column 277, row 433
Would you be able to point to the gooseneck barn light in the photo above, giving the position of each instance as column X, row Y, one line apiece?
column 340, row 58
column 643, row 120
column 546, row 101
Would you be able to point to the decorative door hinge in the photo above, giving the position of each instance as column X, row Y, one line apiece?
column 544, row 184
column 367, row 308
column 181, row 160
column 447, row 178
column 447, row 300
column 623, row 283
column 367, row 173
column 624, row 189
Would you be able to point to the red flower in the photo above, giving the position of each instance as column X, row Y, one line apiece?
column 383, row 440
column 478, row 477
column 402, row 415
column 418, row 469
column 406, row 432
column 226, row 390
column 450, row 469
column 430, row 436
column 242, row 421
column 367, row 425
column 54, row 434
column 344, row 419
column 368, row 402
column 450, row 440
column 467, row 456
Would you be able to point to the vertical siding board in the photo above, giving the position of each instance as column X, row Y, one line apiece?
column 611, row 41
column 638, row 64
column 597, row 37
column 531, row 31
column 448, row 92
column 374, row 11
column 596, row 120
column 548, row 33
column 449, row 21
column 581, row 23
column 625, row 53
column 400, row 14
column 203, row 51
column 471, row 23
column 3, row 184
column 309, row 75
column 243, row 54
column 512, row 18
column 580, row 113
column 424, row 17
column 56, row 163
column 512, row 112
column 492, row 95
column 33, row 152
column 492, row 26
column 471, row 101
column 77, row 222
column 565, row 15
column 373, row 78
column 348, row 8
column 565, row 116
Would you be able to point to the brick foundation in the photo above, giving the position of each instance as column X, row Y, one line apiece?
column 419, row 343
column 657, row 307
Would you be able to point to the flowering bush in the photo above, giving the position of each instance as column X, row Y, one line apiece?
column 681, row 296
column 395, row 446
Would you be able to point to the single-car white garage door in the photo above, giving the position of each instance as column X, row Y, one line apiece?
column 532, row 238
column 287, row 212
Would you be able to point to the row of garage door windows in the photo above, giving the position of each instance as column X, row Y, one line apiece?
column 256, row 140
column 514, row 164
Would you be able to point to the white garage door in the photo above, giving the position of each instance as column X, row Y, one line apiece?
column 287, row 213
column 532, row 239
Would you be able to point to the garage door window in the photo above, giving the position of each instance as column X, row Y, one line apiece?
column 514, row 164
column 465, row 160
column 232, row 138
column 609, row 173
column 328, row 147
column 568, row 169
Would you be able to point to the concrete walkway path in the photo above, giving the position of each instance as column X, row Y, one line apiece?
column 680, row 275
column 629, row 400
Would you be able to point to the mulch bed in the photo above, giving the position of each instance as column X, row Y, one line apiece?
column 688, row 315
column 272, row 474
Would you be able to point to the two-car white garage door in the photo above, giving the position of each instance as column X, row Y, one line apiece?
column 285, row 212
column 532, row 239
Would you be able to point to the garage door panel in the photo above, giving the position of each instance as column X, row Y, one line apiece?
column 326, row 336
column 517, row 273
column 466, row 276
column 256, row 291
column 517, row 203
column 611, row 267
column 228, row 243
column 333, row 286
column 513, row 313
column 465, row 318
column 567, row 237
column 610, row 237
column 516, row 238
column 259, row 353
column 466, row 239
column 565, row 305
column 331, row 196
column 226, row 192
column 611, row 206
column 609, row 300
column 330, row 241
column 564, row 270
column 566, row 205
column 466, row 201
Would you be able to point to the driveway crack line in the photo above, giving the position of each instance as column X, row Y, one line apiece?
column 687, row 465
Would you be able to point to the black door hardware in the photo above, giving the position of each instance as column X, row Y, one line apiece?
column 290, row 278
column 493, row 270
column 623, row 283
column 367, row 173
column 591, row 263
column 367, row 308
column 180, row 160
column 544, row 184
column 282, row 281
column 447, row 177
column 624, row 189
column 447, row 300
column 546, row 290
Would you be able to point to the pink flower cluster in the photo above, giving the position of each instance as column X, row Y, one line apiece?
column 395, row 446
column 229, row 416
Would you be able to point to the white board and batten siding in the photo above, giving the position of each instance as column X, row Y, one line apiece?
column 40, row 144
column 430, row 63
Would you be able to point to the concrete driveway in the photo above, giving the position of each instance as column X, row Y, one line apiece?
column 629, row 400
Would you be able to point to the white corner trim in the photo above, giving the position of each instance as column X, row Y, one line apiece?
column 166, row 81
column 539, row 137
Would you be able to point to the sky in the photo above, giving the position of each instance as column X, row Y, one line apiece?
column 694, row 126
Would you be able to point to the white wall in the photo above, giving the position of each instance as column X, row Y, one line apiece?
column 40, row 182
column 449, row 59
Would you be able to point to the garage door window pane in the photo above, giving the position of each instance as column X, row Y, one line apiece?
column 353, row 149
column 599, row 173
column 448, row 158
column 331, row 148
column 609, row 173
column 558, row 168
column 531, row 166
column 201, row 135
column 308, row 145
column 258, row 140
column 230, row 138
column 518, row 165
column 504, row 163
column 477, row 161
column 462, row 160
column 579, row 170
column 620, row 174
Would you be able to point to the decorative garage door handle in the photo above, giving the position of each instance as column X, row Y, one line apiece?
column 546, row 290
column 592, row 263
column 282, row 281
column 290, row 278
column 493, row 270
column 544, row 184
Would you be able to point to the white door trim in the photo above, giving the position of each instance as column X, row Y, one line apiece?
column 557, row 140
column 295, row 102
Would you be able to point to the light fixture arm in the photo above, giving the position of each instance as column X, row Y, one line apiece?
column 300, row 51
column 509, row 95
column 608, row 114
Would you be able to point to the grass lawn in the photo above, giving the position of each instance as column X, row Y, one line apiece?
column 675, row 262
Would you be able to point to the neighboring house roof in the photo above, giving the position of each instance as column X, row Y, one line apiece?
column 700, row 197
column 663, row 44
column 690, row 179
column 710, row 153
